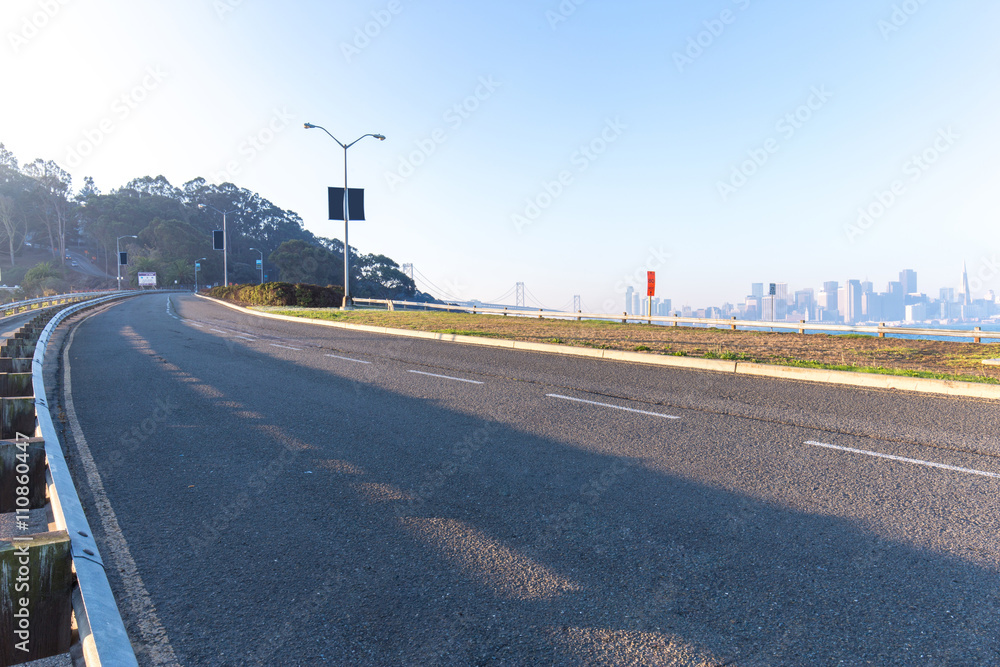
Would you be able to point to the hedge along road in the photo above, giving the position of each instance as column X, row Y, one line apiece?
column 293, row 494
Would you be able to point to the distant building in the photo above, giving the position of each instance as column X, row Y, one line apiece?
column 965, row 286
column 916, row 312
column 853, row 311
column 871, row 304
column 947, row 294
column 908, row 278
column 827, row 302
column 757, row 289
column 629, row 292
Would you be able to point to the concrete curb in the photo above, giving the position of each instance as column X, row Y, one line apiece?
column 847, row 378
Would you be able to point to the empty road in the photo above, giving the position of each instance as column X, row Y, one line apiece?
column 271, row 493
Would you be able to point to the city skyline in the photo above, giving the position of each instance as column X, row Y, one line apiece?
column 849, row 301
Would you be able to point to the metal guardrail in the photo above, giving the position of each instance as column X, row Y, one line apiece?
column 102, row 633
column 31, row 304
column 881, row 330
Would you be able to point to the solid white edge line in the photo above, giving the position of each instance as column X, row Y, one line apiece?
column 903, row 459
column 285, row 347
column 140, row 603
column 615, row 407
column 445, row 377
column 357, row 361
column 245, row 337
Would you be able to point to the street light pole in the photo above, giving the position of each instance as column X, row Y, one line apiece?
column 347, row 247
column 118, row 253
column 261, row 265
column 225, row 240
column 203, row 259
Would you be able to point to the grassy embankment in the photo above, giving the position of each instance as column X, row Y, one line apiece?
column 857, row 353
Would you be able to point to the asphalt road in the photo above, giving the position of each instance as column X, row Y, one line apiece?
column 84, row 265
column 284, row 494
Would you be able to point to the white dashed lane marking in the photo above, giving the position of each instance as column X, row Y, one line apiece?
column 614, row 407
column 445, row 377
column 902, row 459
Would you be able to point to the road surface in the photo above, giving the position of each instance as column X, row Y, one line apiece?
column 282, row 493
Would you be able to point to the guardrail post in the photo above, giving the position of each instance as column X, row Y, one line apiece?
column 733, row 326
column 625, row 315
column 579, row 318
column 36, row 570
column 802, row 330
column 540, row 315
column 977, row 339
column 881, row 333
column 17, row 416
column 17, row 459
column 505, row 311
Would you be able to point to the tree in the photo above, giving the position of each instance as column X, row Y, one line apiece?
column 12, row 226
column 299, row 262
column 41, row 276
column 52, row 200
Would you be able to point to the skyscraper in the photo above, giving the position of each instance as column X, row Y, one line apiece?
column 628, row 299
column 853, row 306
column 908, row 277
column 965, row 286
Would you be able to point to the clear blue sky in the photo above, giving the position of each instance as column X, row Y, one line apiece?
column 868, row 84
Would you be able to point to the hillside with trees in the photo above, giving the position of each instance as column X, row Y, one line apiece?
column 42, row 218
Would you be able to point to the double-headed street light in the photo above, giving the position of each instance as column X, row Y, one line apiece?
column 261, row 265
column 203, row 259
column 118, row 251
column 225, row 241
column 347, row 248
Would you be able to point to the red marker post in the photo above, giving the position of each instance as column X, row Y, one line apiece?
column 650, row 292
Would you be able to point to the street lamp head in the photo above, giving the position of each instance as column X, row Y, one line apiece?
column 380, row 137
column 309, row 126
column 201, row 207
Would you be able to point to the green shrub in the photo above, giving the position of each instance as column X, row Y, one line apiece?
column 280, row 294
